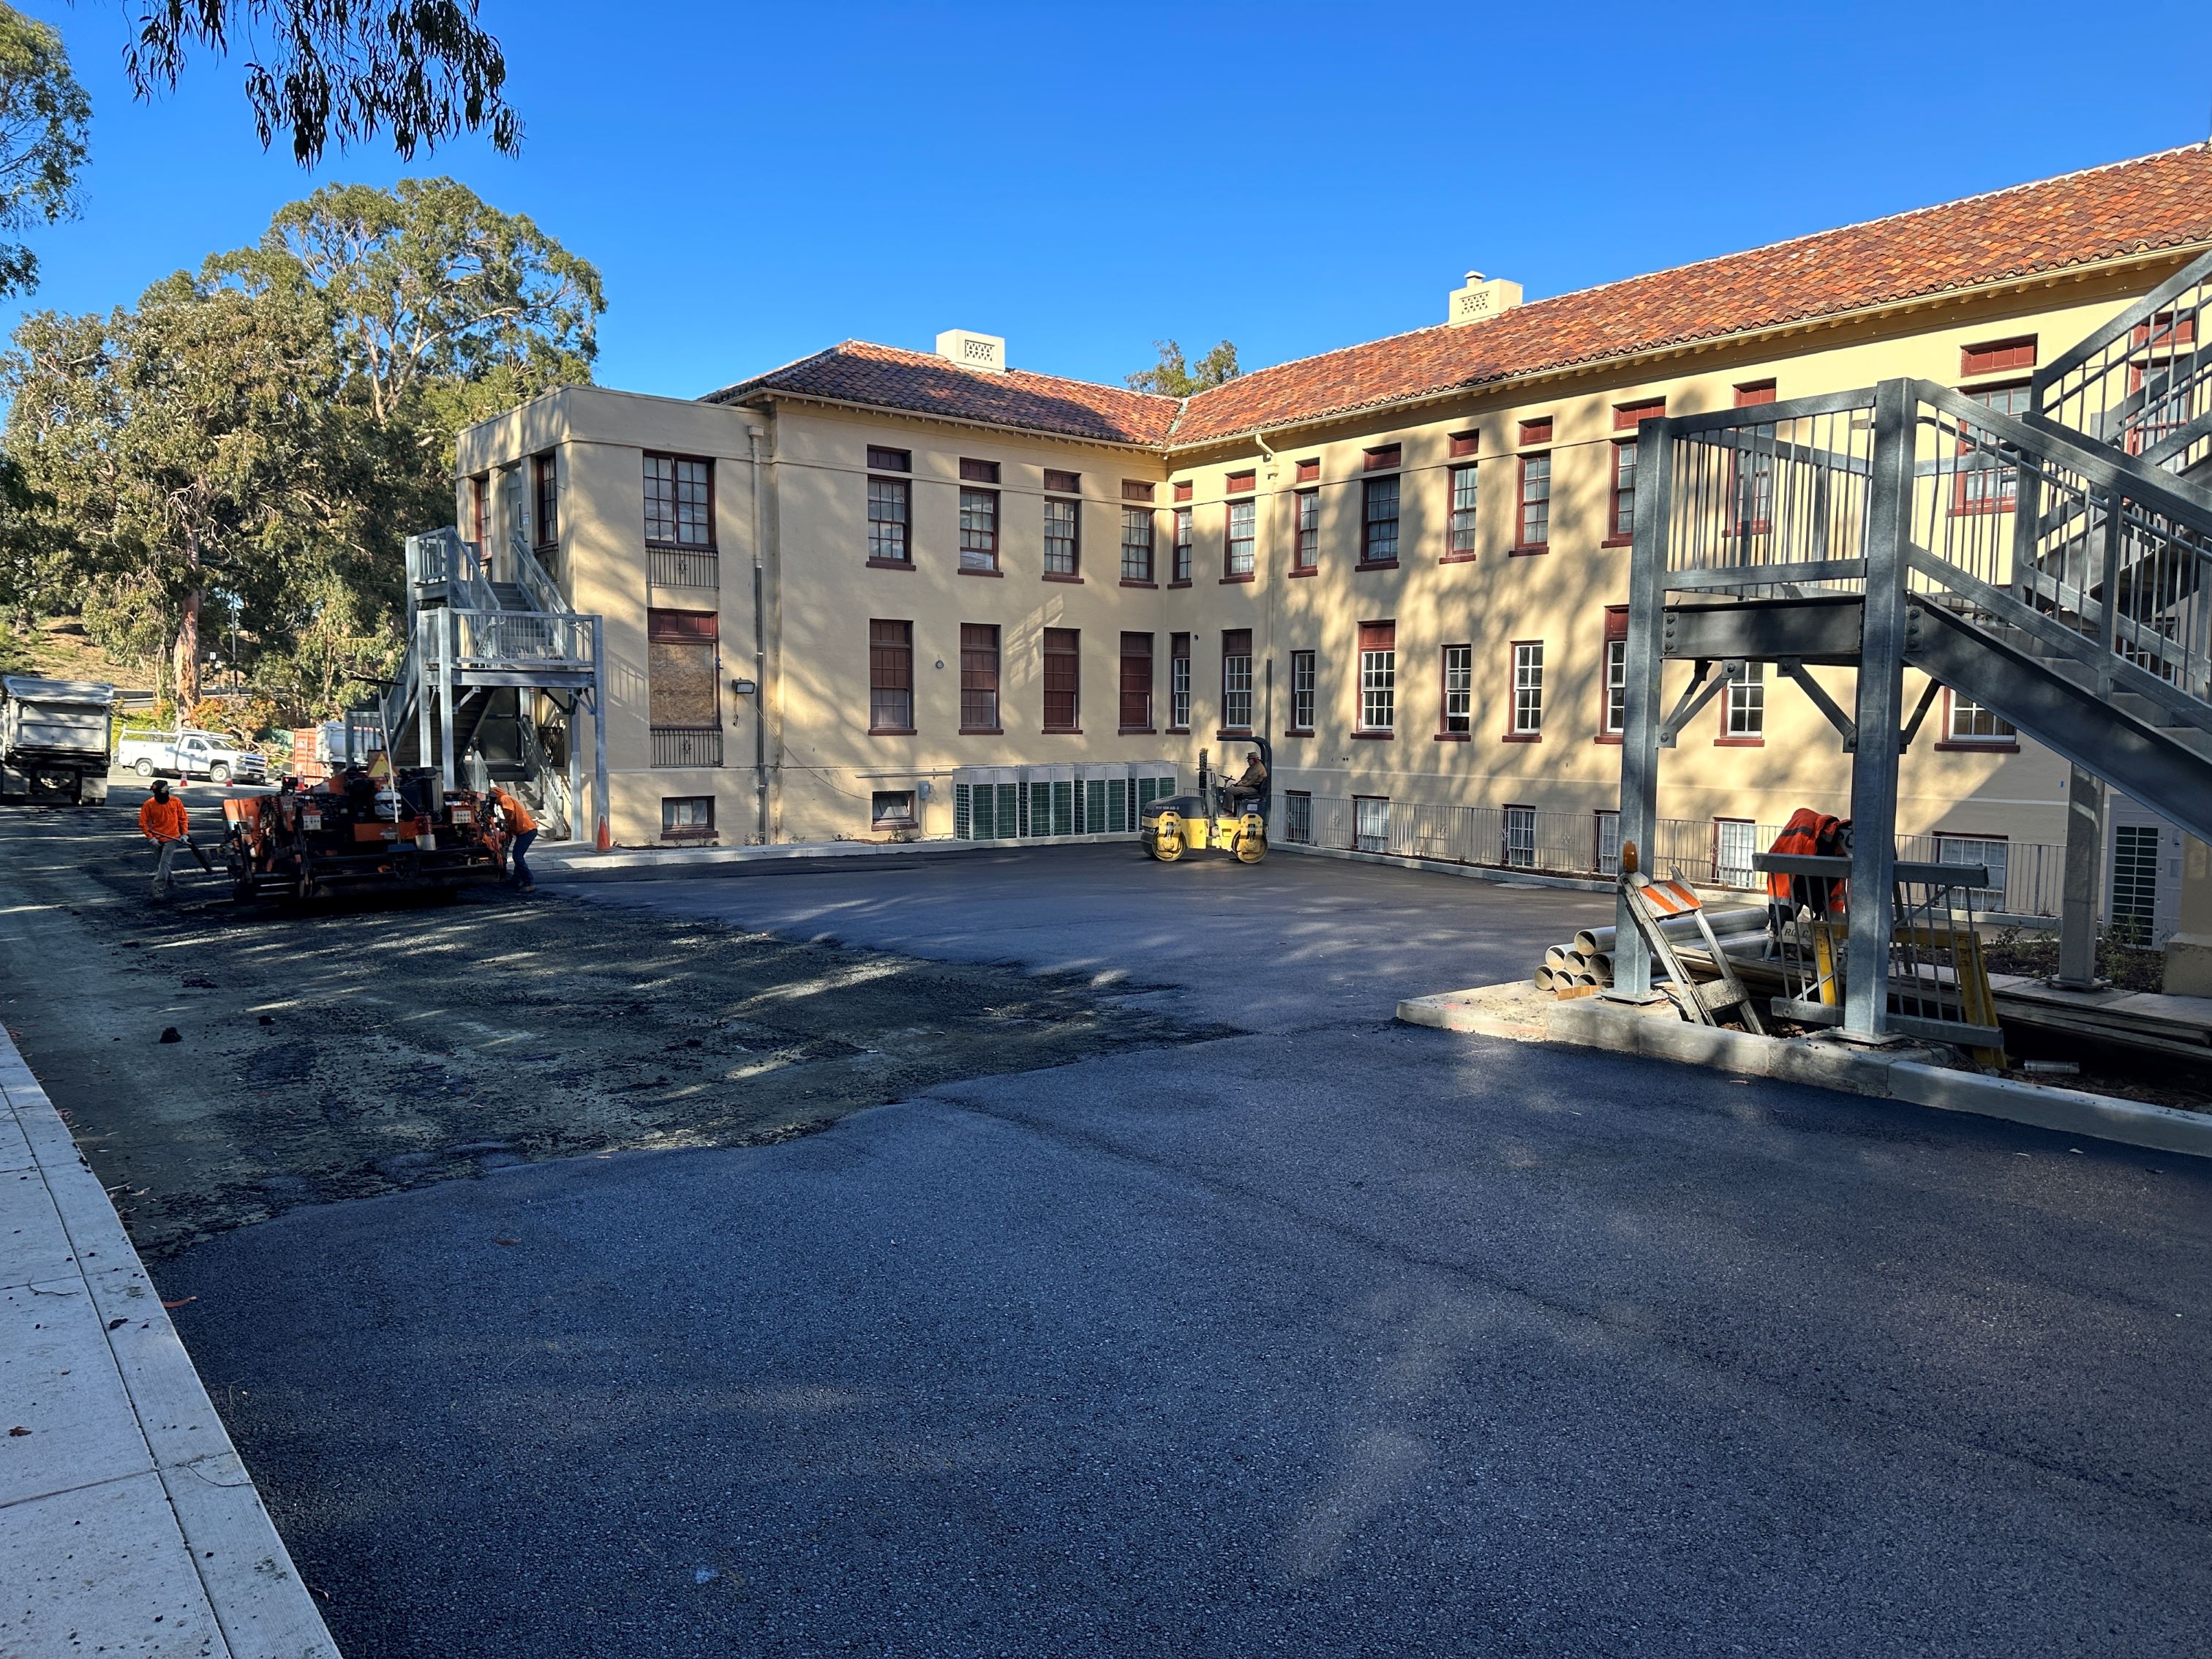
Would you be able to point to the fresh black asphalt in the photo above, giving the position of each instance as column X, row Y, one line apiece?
column 1337, row 1338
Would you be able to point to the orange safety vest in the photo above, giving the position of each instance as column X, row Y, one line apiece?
column 517, row 813
column 163, row 820
column 1808, row 835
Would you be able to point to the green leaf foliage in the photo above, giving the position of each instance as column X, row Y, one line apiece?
column 44, row 114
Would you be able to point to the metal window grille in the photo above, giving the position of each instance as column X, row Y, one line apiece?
column 1183, row 544
column 1379, row 520
column 1520, row 837
column 1992, row 853
column 1459, row 688
column 1059, row 539
column 1608, row 862
column 1243, row 517
column 1297, row 818
column 1237, row 679
column 888, row 515
column 1535, row 500
column 679, row 500
column 1302, row 690
column 1460, row 535
column 677, row 566
column 1527, row 689
column 1370, row 823
column 686, row 745
column 1746, row 715
column 546, row 474
column 1736, row 844
column 979, row 530
column 1136, row 545
column 2132, row 911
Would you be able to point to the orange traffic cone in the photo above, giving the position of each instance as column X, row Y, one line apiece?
column 607, row 841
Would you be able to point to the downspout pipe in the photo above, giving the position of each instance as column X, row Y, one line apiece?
column 760, row 643
column 1268, row 672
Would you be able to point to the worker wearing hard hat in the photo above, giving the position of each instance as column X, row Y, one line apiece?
column 163, row 821
column 522, row 829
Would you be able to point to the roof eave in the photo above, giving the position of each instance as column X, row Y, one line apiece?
column 760, row 394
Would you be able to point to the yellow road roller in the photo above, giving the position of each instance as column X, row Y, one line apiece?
column 1226, row 815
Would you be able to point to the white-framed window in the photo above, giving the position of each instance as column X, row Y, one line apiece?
column 1378, row 676
column 1521, row 837
column 1237, row 679
column 888, row 516
column 1459, row 532
column 1182, row 545
column 1990, row 851
column 1307, row 553
column 1616, row 687
column 1459, row 688
column 979, row 530
column 1136, row 544
column 1370, row 823
column 1736, row 844
column 1243, row 521
column 1179, row 683
column 1970, row 722
column 1528, row 687
column 1302, row 690
column 1745, row 714
column 1609, row 842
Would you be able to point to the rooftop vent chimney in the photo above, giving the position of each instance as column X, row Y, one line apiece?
column 969, row 349
column 1479, row 300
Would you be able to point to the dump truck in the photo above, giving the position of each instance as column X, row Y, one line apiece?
column 54, row 739
column 350, row 835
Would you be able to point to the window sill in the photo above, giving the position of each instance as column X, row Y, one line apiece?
column 1739, row 743
column 1455, row 737
column 652, row 546
column 1305, row 570
column 982, row 731
column 1130, row 582
column 1456, row 558
column 1521, row 737
column 1054, row 576
column 1528, row 550
column 1177, row 732
column 965, row 571
column 1612, row 738
column 890, row 565
column 888, row 828
column 1618, row 541
column 1134, row 732
column 1376, row 564
column 1249, row 575
column 1062, row 730
column 890, row 730
column 1299, row 731
column 1184, row 582
column 1232, row 732
column 1967, row 745
column 1374, row 736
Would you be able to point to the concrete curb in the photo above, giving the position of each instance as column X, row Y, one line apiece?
column 1905, row 1073
column 145, row 1532
column 1439, row 867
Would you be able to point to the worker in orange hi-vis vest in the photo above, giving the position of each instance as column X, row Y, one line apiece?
column 163, row 821
column 522, row 829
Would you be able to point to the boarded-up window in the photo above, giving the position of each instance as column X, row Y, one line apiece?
column 1063, row 678
column 1136, row 682
column 680, row 670
column 1238, row 484
column 891, row 675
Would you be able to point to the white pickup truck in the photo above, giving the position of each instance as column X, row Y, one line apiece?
column 189, row 754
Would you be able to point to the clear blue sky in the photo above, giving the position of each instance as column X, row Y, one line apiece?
column 757, row 182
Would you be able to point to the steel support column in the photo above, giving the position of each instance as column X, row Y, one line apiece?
column 2085, row 860
column 1639, row 747
column 1880, row 709
column 604, row 838
column 421, row 695
column 451, row 625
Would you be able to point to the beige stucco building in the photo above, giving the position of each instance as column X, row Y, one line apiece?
column 1404, row 563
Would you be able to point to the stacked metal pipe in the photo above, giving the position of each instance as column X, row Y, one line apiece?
column 1583, row 966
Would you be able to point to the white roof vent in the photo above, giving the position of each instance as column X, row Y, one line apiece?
column 1478, row 301
column 969, row 349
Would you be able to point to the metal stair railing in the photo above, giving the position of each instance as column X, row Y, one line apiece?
column 533, row 578
column 2142, row 383
column 552, row 787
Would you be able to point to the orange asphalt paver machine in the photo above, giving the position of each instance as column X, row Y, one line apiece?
column 348, row 835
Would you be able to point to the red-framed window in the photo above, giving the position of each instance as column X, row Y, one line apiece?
column 1383, row 458
column 1183, row 545
column 2164, row 337
column 1537, row 430
column 1755, row 472
column 1378, row 519
column 1621, row 515
column 975, row 472
column 890, row 677
column 545, row 500
column 1240, row 483
column 1307, row 470
column 881, row 459
column 979, row 529
column 891, row 518
column 1135, row 490
column 1460, row 524
column 1465, row 443
column 1240, row 539
column 1305, row 543
column 1627, row 418
column 979, row 676
column 1236, row 680
column 1137, row 544
column 1063, row 537
column 1063, row 679
column 1455, row 708
column 1535, row 503
column 1985, row 482
column 1057, row 483
column 679, row 501
column 1997, row 356
column 480, row 511
column 682, row 627
column 1136, row 683
column 1182, row 490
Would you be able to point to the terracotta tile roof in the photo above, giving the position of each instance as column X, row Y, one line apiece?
column 885, row 377
column 2155, row 202
column 2152, row 202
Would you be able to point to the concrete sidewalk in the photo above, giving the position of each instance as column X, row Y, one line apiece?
column 128, row 1526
